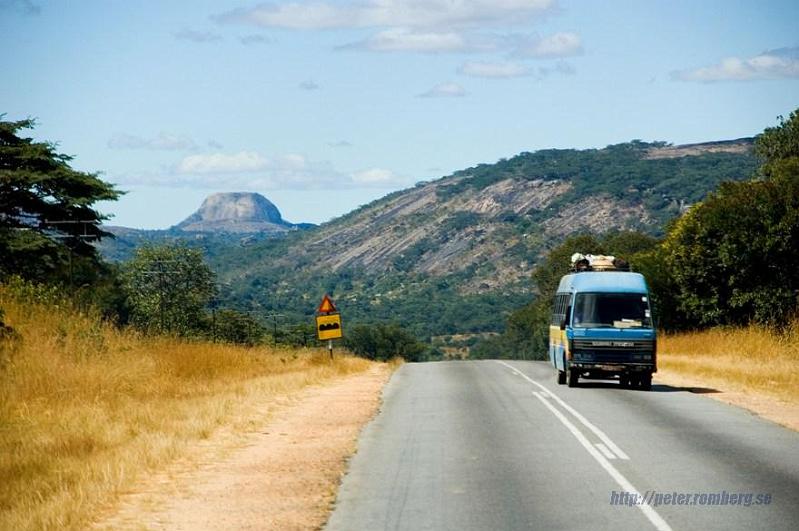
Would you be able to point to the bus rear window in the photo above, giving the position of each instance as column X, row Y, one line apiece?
column 612, row 310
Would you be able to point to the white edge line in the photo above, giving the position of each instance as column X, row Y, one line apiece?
column 648, row 511
column 604, row 449
column 584, row 421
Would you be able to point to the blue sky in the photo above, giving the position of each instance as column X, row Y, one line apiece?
column 326, row 105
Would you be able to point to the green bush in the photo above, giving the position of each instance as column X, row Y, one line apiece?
column 384, row 342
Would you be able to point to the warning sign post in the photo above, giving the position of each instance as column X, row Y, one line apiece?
column 328, row 326
column 328, row 323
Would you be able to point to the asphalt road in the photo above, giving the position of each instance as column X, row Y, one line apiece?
column 493, row 445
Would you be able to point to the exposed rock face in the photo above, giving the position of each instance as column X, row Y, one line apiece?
column 488, row 231
column 235, row 212
column 740, row 145
column 420, row 221
column 595, row 214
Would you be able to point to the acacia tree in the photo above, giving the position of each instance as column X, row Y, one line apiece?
column 168, row 288
column 47, row 210
column 733, row 256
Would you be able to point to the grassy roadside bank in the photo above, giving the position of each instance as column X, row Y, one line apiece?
column 86, row 409
column 752, row 367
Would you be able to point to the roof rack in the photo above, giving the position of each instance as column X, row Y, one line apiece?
column 588, row 262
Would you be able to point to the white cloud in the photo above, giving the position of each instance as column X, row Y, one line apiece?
column 557, row 45
column 407, row 40
column 388, row 13
column 291, row 162
column 560, row 67
column 293, row 15
column 496, row 70
column 773, row 64
column 163, row 142
column 251, row 170
column 564, row 44
column 508, row 70
column 444, row 90
column 374, row 177
column 427, row 26
column 197, row 36
column 241, row 162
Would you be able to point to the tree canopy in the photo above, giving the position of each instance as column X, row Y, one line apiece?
column 733, row 256
column 168, row 288
column 779, row 146
column 384, row 341
column 47, row 209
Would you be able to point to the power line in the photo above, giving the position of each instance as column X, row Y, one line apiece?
column 69, row 239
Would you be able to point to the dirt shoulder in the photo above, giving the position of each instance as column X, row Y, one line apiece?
column 769, row 407
column 283, row 475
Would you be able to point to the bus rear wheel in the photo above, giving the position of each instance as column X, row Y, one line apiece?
column 574, row 377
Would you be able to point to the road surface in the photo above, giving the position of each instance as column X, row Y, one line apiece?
column 498, row 445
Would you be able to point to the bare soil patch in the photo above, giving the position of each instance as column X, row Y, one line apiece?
column 283, row 475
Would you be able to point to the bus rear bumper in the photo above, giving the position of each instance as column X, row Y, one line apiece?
column 597, row 368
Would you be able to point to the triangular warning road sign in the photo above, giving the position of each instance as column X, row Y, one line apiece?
column 327, row 305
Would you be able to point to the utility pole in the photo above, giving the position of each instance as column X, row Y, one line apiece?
column 255, row 312
column 274, row 317
column 161, row 273
column 71, row 238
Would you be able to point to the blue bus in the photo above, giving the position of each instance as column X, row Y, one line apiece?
column 602, row 328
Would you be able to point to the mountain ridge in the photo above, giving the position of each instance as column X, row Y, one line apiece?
column 454, row 255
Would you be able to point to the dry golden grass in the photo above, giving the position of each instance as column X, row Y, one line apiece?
column 753, row 359
column 85, row 408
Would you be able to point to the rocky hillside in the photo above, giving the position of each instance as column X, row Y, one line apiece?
column 239, row 212
column 739, row 146
column 500, row 215
column 454, row 255
column 429, row 231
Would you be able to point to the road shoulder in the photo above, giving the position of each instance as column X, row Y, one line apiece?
column 284, row 475
column 771, row 408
